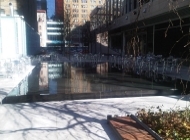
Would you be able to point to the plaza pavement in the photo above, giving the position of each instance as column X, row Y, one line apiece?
column 73, row 120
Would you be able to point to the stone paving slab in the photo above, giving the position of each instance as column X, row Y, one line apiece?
column 72, row 120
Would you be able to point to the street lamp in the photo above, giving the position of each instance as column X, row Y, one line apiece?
column 11, row 8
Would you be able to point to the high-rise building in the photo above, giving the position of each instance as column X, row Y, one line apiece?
column 55, row 35
column 139, row 27
column 55, row 25
column 18, row 28
column 59, row 9
column 42, row 5
column 76, row 14
column 50, row 23
column 42, row 27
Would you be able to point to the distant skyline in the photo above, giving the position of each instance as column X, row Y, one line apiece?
column 50, row 8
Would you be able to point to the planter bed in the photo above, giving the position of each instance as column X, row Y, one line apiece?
column 130, row 128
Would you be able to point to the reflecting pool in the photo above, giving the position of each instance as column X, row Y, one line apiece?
column 50, row 81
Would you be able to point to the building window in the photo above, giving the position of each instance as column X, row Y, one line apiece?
column 84, row 20
column 67, row 5
column 145, row 1
column 126, row 8
column 93, row 1
column 84, row 15
column 135, row 4
column 84, row 11
column 130, row 5
column 74, row 26
column 83, row 1
column 2, row 11
column 76, row 20
column 75, row 15
column 75, row 10
column 84, row 6
column 75, row 1
column 93, row 6
column 75, row 6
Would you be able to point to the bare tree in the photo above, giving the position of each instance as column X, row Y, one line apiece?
column 86, row 35
column 98, row 26
column 67, row 26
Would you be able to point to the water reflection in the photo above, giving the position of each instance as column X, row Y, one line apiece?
column 43, row 76
column 58, row 81
column 102, row 68
column 68, row 78
column 21, row 89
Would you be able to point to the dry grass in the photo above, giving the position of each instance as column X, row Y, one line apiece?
column 170, row 125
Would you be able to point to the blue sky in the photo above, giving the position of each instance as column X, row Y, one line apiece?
column 50, row 8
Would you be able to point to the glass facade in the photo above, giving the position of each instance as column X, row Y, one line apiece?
column 55, row 34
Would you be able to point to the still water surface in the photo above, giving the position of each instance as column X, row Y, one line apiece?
column 68, row 81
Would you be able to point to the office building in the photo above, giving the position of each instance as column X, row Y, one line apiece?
column 138, row 27
column 17, row 38
column 25, row 8
column 76, row 14
column 55, row 35
column 59, row 10
column 42, row 27
column 50, row 24
column 18, row 28
column 55, row 29
column 41, row 5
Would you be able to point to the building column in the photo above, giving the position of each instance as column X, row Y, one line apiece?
column 109, row 44
column 127, row 3
column 110, row 17
column 123, row 48
column 117, row 9
column 95, row 42
column 132, row 5
column 129, row 6
column 189, row 31
column 106, row 17
column 153, row 38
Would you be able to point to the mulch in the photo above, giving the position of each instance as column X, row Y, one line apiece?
column 127, row 128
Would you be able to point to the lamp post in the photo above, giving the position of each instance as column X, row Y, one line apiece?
column 11, row 8
column 69, row 41
column 100, row 37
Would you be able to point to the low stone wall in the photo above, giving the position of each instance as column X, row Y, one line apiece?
column 9, row 83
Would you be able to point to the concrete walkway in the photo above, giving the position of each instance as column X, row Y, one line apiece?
column 73, row 120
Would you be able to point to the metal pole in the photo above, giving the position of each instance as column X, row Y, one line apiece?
column 100, row 24
column 153, row 39
column 123, row 50
column 69, row 32
column 95, row 40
